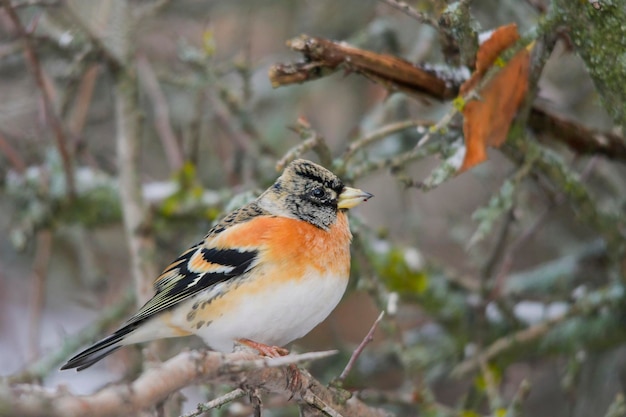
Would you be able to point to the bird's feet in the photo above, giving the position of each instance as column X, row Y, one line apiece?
column 263, row 349
column 294, row 379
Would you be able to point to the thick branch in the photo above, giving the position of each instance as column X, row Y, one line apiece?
column 323, row 57
column 184, row 369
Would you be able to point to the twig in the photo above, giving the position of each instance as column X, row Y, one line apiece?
column 617, row 407
column 491, row 388
column 312, row 400
column 583, row 306
column 357, row 352
column 382, row 133
column 216, row 403
column 410, row 11
column 38, row 3
column 513, row 248
column 55, row 123
column 161, row 114
column 240, row 113
column 515, row 408
column 84, row 97
column 312, row 141
column 40, row 266
column 143, row 11
column 394, row 162
column 255, row 401
column 115, row 62
column 38, row 370
column 11, row 154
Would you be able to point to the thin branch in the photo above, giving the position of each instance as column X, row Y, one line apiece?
column 84, row 97
column 312, row 141
column 216, row 403
column 491, row 387
column 31, row 3
column 50, row 114
column 394, row 162
column 584, row 306
column 39, row 274
column 114, row 61
column 509, row 254
column 382, row 133
column 357, row 352
column 161, row 114
column 142, row 11
column 515, row 408
column 255, row 400
column 410, row 11
column 312, row 400
column 12, row 155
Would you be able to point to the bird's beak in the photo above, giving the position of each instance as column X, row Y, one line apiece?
column 352, row 197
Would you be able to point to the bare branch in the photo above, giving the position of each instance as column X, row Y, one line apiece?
column 51, row 116
column 39, row 274
column 161, row 114
column 410, row 11
column 187, row 368
column 31, row 3
column 216, row 403
column 12, row 155
column 312, row 141
column 323, row 57
column 382, row 133
column 134, row 210
column 586, row 305
column 357, row 352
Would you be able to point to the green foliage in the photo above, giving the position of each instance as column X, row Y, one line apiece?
column 188, row 194
column 397, row 275
column 40, row 197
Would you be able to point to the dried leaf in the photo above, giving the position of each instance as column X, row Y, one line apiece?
column 488, row 119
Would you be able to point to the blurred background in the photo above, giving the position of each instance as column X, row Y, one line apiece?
column 503, row 254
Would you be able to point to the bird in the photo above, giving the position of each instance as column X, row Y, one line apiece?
column 263, row 276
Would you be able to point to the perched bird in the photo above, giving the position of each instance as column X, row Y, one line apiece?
column 265, row 275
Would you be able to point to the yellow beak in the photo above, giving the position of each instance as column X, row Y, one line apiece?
column 352, row 197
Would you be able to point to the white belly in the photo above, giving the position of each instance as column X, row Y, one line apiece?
column 275, row 316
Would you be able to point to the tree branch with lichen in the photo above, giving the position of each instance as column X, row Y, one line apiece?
column 154, row 385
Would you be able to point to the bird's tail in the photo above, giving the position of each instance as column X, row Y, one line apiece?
column 99, row 350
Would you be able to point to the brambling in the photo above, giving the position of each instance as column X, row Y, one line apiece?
column 265, row 275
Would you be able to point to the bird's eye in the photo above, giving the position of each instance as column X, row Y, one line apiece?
column 318, row 193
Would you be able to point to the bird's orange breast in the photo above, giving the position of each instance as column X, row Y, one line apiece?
column 294, row 245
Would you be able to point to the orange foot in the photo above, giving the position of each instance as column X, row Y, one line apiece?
column 263, row 349
column 294, row 380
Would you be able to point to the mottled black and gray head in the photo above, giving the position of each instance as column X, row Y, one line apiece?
column 310, row 192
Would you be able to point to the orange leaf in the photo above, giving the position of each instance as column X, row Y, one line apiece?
column 488, row 119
